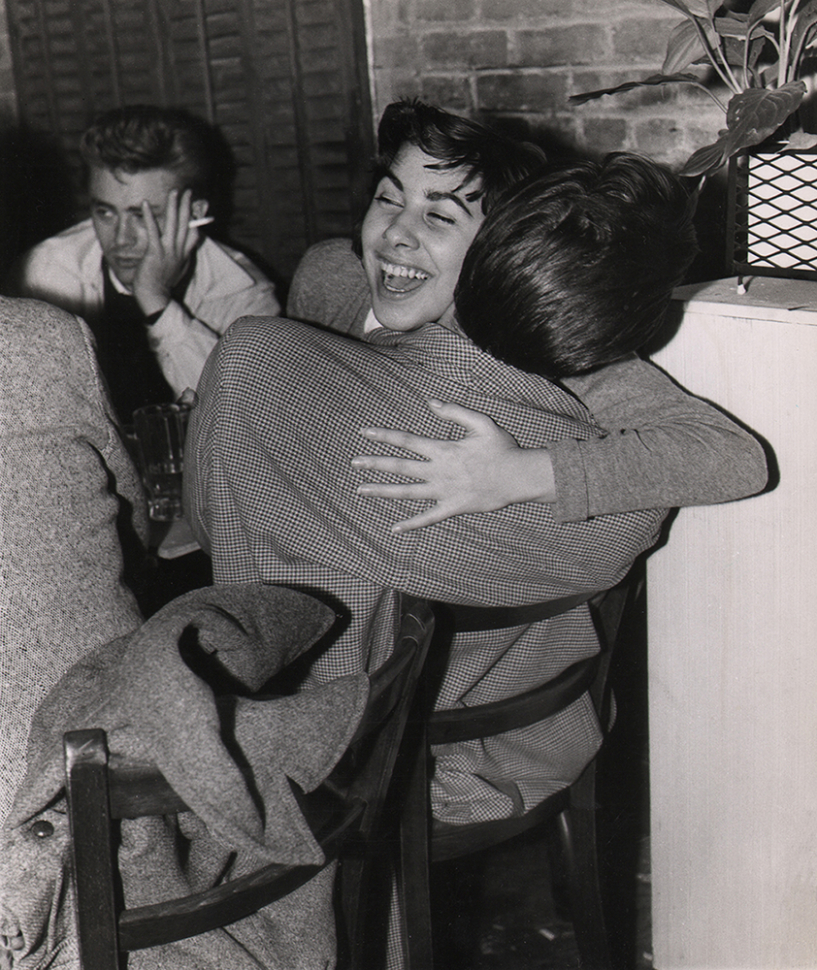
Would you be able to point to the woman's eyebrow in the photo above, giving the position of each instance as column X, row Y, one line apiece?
column 436, row 196
column 388, row 174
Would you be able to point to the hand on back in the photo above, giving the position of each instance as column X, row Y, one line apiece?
column 483, row 471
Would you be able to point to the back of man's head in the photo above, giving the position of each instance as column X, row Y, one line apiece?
column 137, row 138
column 490, row 156
column 574, row 268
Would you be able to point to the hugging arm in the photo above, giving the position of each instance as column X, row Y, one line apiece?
column 660, row 447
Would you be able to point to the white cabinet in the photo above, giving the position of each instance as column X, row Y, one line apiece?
column 733, row 654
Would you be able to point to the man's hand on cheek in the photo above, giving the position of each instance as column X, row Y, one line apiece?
column 167, row 253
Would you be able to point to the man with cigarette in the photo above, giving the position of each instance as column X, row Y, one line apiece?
column 155, row 290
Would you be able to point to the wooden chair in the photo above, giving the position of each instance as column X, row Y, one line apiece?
column 573, row 808
column 345, row 814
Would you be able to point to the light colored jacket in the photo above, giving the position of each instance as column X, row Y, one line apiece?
column 65, row 478
column 66, row 270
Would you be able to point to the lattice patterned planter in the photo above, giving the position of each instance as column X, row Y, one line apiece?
column 772, row 227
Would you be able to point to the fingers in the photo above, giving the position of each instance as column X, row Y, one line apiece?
column 393, row 490
column 186, row 238
column 178, row 237
column 473, row 421
column 407, row 467
column 171, row 227
column 429, row 517
column 400, row 439
column 152, row 226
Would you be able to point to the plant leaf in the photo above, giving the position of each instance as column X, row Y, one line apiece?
column 806, row 19
column 761, row 9
column 759, row 112
column 683, row 48
column 732, row 26
column 706, row 160
column 751, row 118
column 690, row 8
column 653, row 79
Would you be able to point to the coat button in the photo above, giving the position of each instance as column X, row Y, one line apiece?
column 42, row 829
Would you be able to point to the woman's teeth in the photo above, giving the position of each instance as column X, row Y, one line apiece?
column 402, row 279
column 409, row 272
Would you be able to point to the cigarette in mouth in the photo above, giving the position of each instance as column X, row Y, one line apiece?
column 197, row 223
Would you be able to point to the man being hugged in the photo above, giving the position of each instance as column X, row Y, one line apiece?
column 270, row 487
column 437, row 176
column 156, row 291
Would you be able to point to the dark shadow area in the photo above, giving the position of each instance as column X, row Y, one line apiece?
column 155, row 582
column 623, row 789
column 39, row 192
column 555, row 146
column 710, row 226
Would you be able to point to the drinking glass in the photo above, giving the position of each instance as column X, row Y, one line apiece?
column 160, row 431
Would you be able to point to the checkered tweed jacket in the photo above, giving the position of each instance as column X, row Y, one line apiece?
column 270, row 492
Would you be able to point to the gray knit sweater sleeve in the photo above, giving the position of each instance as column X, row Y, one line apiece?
column 662, row 448
column 330, row 288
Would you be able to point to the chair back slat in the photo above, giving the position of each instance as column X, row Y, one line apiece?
column 86, row 782
column 512, row 713
column 136, row 790
column 425, row 840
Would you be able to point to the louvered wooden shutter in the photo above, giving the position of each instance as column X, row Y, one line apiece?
column 284, row 80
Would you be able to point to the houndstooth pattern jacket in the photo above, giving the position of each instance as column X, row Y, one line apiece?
column 270, row 492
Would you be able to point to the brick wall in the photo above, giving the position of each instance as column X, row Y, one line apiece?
column 521, row 59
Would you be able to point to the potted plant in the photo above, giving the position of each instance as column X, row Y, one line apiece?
column 759, row 57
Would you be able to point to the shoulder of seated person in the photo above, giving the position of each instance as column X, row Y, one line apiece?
column 338, row 249
column 73, row 245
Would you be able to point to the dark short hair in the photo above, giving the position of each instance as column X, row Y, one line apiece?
column 139, row 137
column 575, row 267
column 496, row 160
column 493, row 160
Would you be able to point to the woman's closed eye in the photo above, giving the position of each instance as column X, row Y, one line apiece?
column 442, row 218
column 388, row 200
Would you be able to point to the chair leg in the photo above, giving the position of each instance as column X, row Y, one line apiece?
column 577, row 831
column 86, row 782
column 415, row 853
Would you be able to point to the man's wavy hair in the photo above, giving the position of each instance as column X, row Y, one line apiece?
column 574, row 268
column 137, row 138
column 493, row 161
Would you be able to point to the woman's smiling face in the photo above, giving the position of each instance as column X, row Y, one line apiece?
column 415, row 236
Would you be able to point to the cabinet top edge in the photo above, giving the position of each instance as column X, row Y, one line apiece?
column 766, row 298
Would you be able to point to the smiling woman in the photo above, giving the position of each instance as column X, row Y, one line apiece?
column 436, row 177
column 415, row 236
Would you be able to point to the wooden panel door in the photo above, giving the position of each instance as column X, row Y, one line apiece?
column 285, row 81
